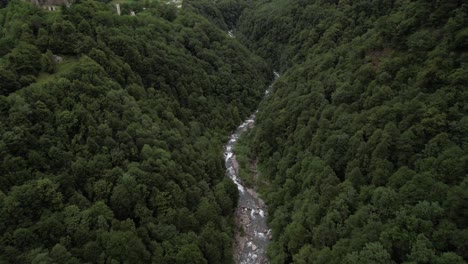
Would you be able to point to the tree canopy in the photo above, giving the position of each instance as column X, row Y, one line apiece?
column 363, row 141
column 111, row 134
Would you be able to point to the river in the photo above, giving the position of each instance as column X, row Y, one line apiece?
column 251, row 244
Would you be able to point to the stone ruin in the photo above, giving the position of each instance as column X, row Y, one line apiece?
column 51, row 5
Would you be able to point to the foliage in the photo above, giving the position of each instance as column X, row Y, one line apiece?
column 115, row 155
column 364, row 138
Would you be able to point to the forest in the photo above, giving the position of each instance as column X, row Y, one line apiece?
column 112, row 128
column 363, row 142
column 111, row 134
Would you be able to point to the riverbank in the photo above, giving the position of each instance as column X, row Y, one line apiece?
column 252, row 235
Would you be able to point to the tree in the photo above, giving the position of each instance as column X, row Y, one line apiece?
column 60, row 254
column 8, row 81
column 25, row 59
column 190, row 254
column 48, row 62
column 372, row 253
column 421, row 251
column 123, row 246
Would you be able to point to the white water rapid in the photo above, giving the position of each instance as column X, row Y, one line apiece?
column 250, row 246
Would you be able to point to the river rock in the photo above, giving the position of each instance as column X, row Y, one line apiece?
column 249, row 207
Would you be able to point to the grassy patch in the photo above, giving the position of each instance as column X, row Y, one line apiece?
column 62, row 68
column 262, row 183
column 242, row 231
column 242, row 150
column 246, row 160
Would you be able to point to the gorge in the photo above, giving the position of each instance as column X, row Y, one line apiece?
column 113, row 129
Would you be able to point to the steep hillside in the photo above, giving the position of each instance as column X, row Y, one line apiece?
column 111, row 134
column 364, row 139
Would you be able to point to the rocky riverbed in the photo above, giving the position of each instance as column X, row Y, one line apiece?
column 253, row 234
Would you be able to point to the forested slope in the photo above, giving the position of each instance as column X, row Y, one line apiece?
column 364, row 139
column 114, row 154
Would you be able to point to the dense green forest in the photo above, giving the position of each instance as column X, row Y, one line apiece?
column 364, row 138
column 111, row 130
column 363, row 143
column 111, row 133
